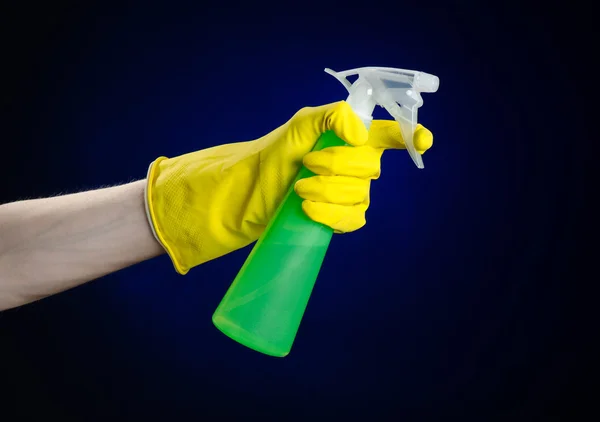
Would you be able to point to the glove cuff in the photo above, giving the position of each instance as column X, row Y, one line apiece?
column 147, row 203
column 151, row 215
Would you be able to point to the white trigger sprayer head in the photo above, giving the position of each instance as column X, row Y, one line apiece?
column 396, row 90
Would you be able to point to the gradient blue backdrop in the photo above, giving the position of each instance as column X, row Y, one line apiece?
column 447, row 304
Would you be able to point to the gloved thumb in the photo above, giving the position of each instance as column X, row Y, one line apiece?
column 311, row 122
column 385, row 134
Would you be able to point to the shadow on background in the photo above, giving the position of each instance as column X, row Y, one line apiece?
column 450, row 303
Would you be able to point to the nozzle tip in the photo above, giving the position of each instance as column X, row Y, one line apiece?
column 425, row 82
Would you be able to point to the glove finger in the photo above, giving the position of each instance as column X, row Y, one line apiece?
column 333, row 189
column 338, row 116
column 386, row 134
column 341, row 218
column 363, row 162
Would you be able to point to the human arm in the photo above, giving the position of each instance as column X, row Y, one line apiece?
column 201, row 205
column 53, row 244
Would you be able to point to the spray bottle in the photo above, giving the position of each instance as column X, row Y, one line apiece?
column 265, row 303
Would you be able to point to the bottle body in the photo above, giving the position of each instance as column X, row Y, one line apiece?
column 265, row 303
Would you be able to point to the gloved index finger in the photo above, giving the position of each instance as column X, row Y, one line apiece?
column 385, row 134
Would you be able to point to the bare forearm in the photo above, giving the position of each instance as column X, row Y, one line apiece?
column 53, row 244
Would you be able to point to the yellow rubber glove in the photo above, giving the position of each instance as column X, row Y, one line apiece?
column 207, row 203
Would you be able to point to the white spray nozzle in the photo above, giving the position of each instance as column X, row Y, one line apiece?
column 396, row 90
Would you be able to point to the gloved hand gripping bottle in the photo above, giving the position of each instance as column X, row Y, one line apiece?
column 265, row 303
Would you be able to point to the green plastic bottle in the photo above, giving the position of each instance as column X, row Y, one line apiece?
column 265, row 303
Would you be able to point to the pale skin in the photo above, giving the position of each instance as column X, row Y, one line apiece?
column 53, row 244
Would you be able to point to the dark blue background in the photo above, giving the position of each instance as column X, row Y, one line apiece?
column 450, row 302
